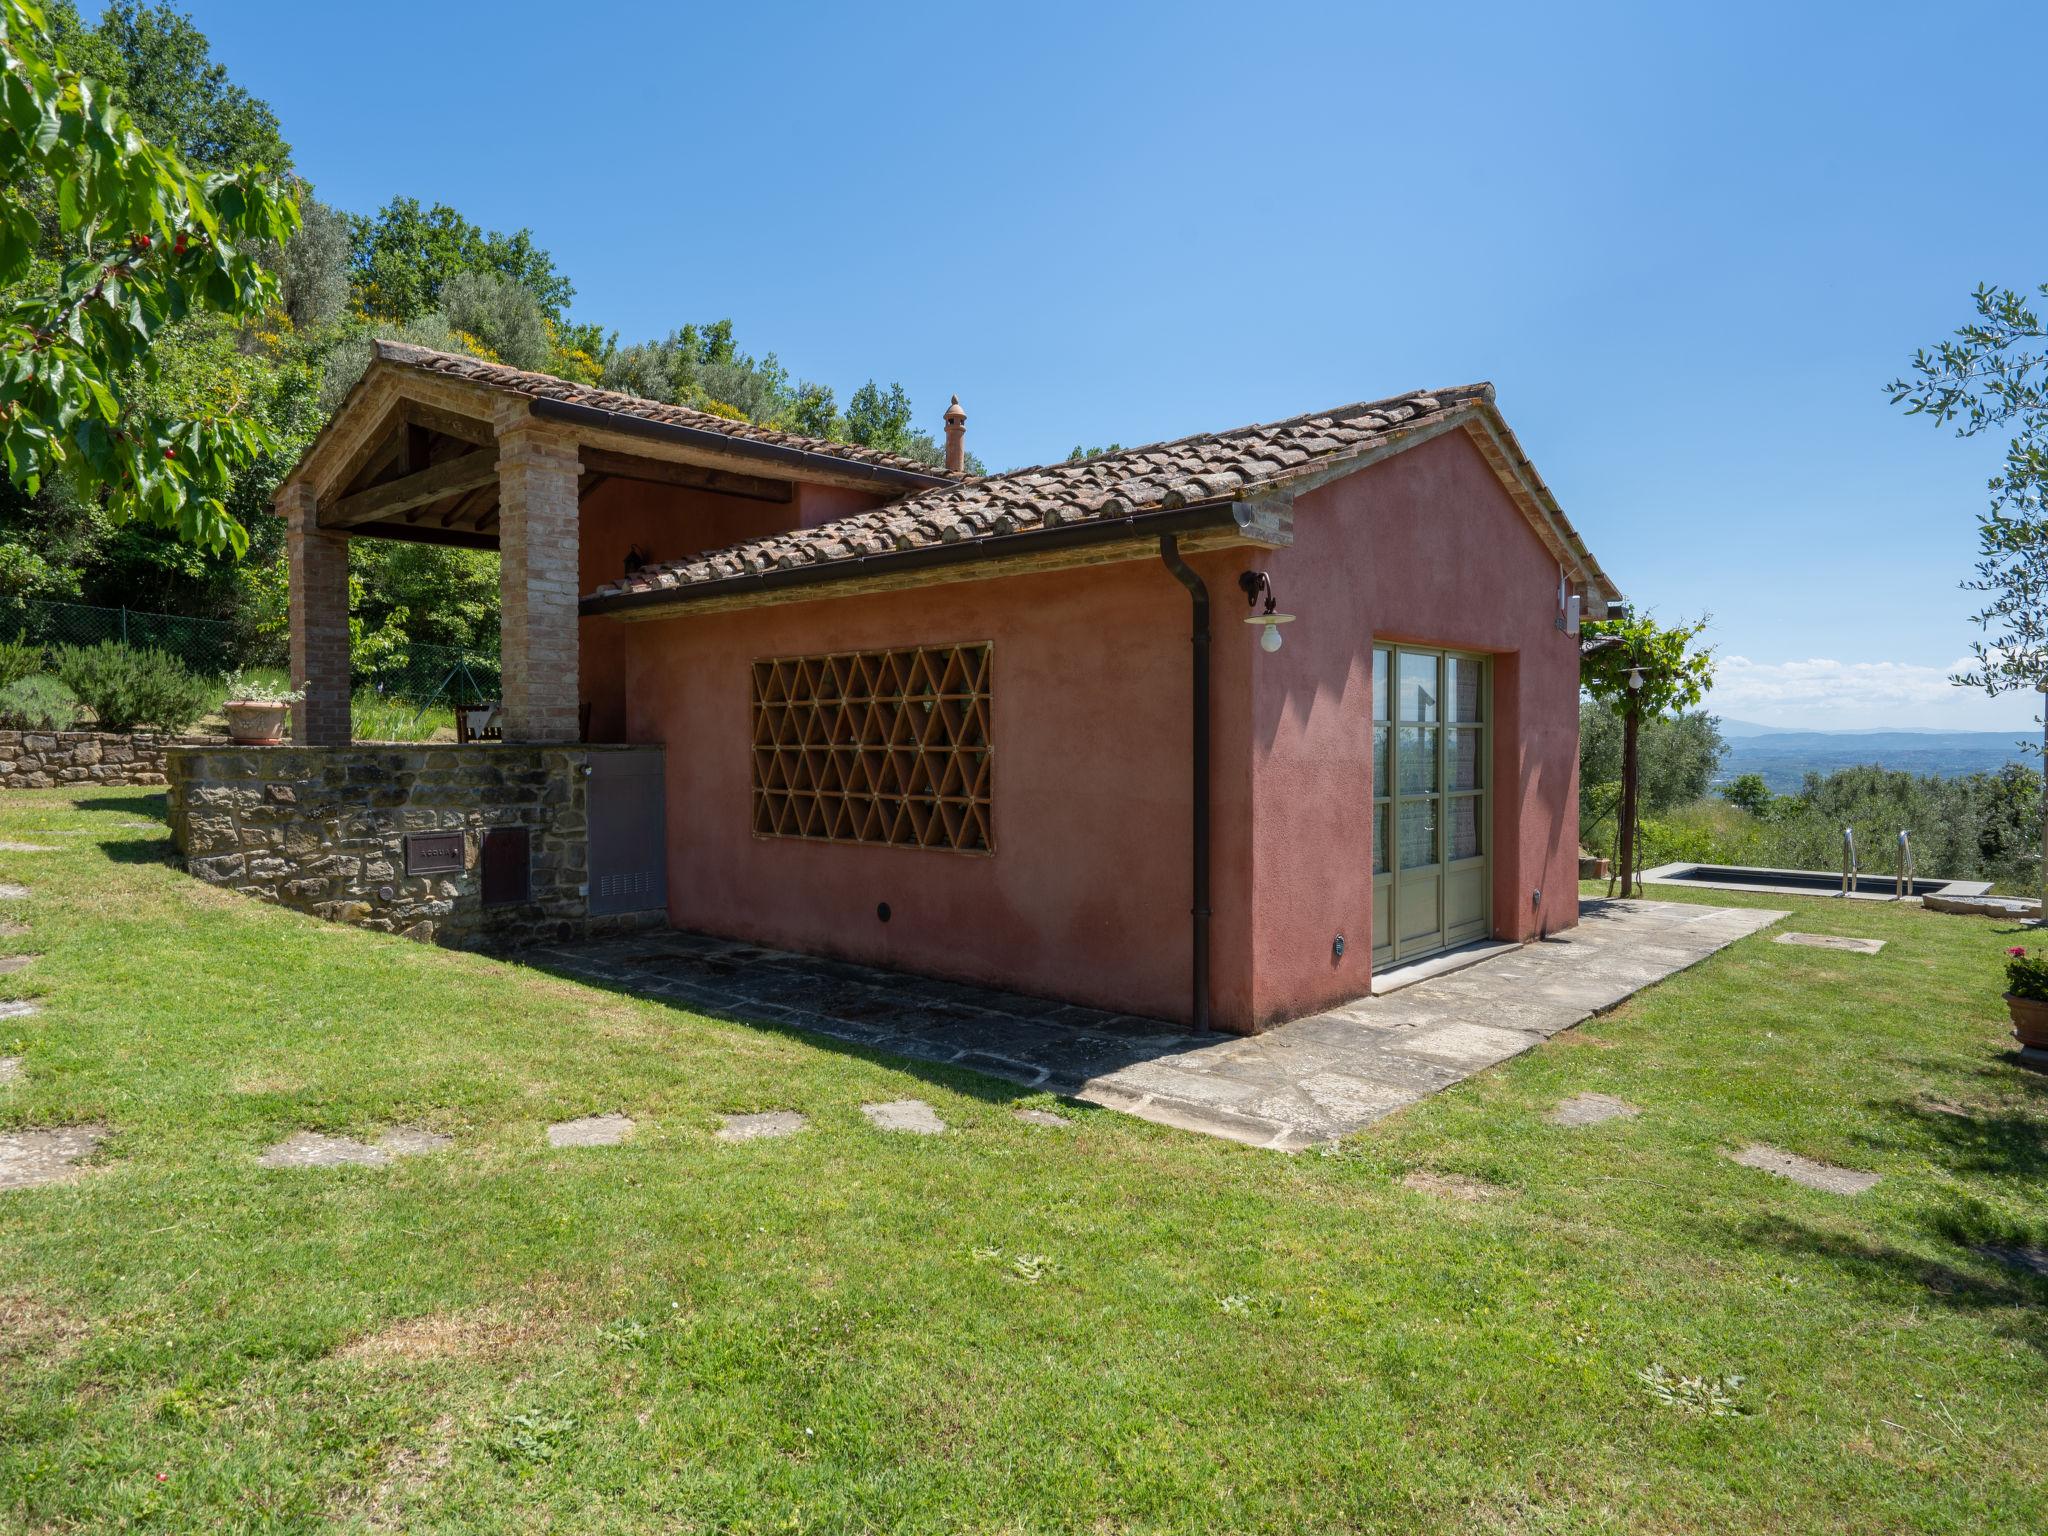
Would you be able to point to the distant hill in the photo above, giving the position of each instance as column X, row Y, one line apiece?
column 1785, row 757
column 1731, row 730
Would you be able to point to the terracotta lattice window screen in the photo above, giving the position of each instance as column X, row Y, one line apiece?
column 888, row 747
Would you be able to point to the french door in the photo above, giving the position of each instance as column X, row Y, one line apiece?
column 1430, row 761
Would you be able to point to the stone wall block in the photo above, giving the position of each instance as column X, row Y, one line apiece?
column 323, row 831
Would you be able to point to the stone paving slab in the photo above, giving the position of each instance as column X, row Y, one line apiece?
column 10, row 1068
column 9, row 846
column 1592, row 1109
column 12, row 892
column 316, row 1149
column 1043, row 1117
column 18, row 1008
column 761, row 1127
column 590, row 1131
column 28, row 1158
column 1307, row 1082
column 911, row 1115
column 1825, row 1177
column 1831, row 941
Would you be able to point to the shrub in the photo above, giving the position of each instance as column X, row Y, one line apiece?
column 125, row 688
column 18, row 659
column 39, row 703
column 2026, row 975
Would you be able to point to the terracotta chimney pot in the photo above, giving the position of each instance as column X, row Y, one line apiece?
column 956, row 436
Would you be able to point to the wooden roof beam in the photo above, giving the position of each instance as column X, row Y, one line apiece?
column 470, row 472
column 603, row 463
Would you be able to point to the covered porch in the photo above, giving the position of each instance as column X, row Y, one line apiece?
column 570, row 486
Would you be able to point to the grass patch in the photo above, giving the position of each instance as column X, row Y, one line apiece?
column 1107, row 1327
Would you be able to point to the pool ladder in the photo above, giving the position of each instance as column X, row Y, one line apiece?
column 1902, row 882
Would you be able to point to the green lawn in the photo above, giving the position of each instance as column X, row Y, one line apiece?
column 1111, row 1327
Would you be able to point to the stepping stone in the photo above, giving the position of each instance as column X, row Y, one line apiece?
column 312, row 1149
column 10, row 892
column 1831, row 941
column 590, row 1131
column 1591, row 1109
column 911, row 1115
column 10, row 847
column 412, row 1140
column 9, row 964
column 1825, row 1177
column 1451, row 1186
column 775, row 1122
column 45, row 1157
column 19, row 1008
column 12, row 930
column 10, row 1068
column 1042, row 1117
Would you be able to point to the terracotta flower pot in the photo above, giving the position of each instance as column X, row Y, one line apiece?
column 2029, row 1022
column 255, row 722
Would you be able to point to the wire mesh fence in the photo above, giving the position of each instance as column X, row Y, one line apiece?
column 417, row 674
column 209, row 646
column 435, row 674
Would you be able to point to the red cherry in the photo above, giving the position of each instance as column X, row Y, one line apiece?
column 170, row 453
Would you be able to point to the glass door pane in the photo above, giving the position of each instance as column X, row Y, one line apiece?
column 1420, row 688
column 1430, row 757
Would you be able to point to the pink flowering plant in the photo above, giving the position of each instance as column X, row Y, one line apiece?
column 2026, row 975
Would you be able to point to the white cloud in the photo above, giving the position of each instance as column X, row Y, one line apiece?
column 1822, row 694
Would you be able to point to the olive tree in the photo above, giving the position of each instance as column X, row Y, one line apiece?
column 1641, row 670
column 1992, row 376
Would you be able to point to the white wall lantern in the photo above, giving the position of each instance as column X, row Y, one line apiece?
column 1254, row 584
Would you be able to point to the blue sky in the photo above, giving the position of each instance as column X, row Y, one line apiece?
column 1689, row 244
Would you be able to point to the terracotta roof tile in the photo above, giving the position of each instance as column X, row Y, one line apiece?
column 541, row 386
column 1154, row 477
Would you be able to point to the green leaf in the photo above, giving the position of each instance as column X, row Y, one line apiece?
column 49, row 126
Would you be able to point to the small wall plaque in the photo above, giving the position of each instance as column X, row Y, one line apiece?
column 433, row 853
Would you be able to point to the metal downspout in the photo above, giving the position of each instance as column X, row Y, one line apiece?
column 1169, row 552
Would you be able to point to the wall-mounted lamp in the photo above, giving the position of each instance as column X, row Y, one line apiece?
column 1253, row 584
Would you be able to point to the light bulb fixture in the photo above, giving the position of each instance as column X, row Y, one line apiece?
column 1254, row 584
column 1635, row 679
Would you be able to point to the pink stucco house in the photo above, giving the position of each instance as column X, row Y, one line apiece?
column 1024, row 729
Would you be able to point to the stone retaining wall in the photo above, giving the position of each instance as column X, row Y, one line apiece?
column 323, row 829
column 47, row 759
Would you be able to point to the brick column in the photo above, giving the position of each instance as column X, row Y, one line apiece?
column 537, row 579
column 319, row 621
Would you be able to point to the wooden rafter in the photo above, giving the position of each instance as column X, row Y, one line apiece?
column 466, row 473
column 606, row 464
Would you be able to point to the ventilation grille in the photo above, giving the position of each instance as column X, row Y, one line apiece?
column 888, row 747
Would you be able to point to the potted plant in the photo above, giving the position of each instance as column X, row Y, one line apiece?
column 256, row 710
column 2026, row 998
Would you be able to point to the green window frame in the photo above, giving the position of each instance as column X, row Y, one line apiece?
column 1431, row 770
